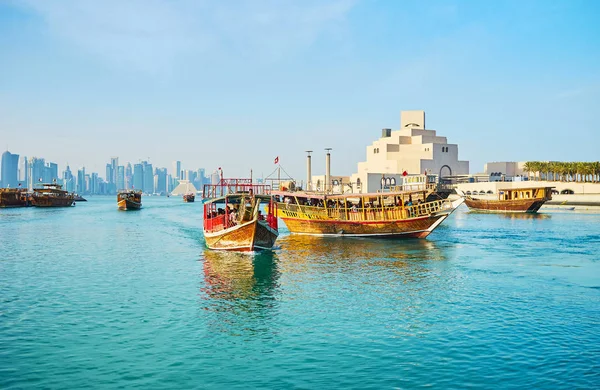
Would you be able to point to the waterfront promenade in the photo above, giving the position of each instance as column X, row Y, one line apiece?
column 97, row 298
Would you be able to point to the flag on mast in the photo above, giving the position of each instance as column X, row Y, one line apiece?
column 277, row 160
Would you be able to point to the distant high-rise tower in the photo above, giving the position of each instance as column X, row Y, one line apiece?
column 108, row 173
column 69, row 180
column 37, row 166
column 24, row 171
column 10, row 170
column 160, row 180
column 176, row 170
column 148, row 178
column 81, row 188
column 128, row 176
column 138, row 177
column 50, row 172
column 94, row 184
column 120, row 177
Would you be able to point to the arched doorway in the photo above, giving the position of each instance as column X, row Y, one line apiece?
column 442, row 170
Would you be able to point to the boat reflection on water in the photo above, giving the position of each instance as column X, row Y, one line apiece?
column 529, row 216
column 408, row 257
column 240, row 290
column 240, row 276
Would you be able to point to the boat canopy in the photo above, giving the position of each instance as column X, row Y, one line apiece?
column 317, row 195
column 235, row 198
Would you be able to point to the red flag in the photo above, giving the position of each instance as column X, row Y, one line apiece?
column 404, row 173
column 276, row 159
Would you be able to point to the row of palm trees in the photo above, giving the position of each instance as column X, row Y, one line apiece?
column 586, row 172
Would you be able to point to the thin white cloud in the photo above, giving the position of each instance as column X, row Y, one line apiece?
column 151, row 35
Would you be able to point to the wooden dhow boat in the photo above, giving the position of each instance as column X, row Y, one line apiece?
column 52, row 195
column 397, row 213
column 129, row 200
column 233, row 218
column 14, row 197
column 189, row 198
column 511, row 200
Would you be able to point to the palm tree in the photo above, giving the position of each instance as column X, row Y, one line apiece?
column 527, row 168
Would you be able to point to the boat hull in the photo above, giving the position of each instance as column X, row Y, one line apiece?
column 378, row 225
column 505, row 206
column 189, row 198
column 251, row 236
column 407, row 228
column 125, row 204
column 45, row 201
column 13, row 198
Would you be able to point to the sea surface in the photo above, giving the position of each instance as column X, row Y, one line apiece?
column 93, row 297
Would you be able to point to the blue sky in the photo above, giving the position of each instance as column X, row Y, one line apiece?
column 235, row 83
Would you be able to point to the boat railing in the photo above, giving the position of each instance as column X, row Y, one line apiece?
column 233, row 187
column 373, row 213
column 410, row 187
column 215, row 223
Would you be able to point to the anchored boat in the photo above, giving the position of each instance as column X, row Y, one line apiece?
column 233, row 216
column 395, row 213
column 52, row 195
column 129, row 200
column 189, row 197
column 511, row 200
column 14, row 197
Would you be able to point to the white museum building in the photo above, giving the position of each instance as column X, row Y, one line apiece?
column 413, row 149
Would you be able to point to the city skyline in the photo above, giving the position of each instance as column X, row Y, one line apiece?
column 17, row 170
column 234, row 85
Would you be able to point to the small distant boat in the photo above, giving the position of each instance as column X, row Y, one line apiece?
column 511, row 200
column 189, row 197
column 14, row 197
column 233, row 219
column 52, row 195
column 79, row 198
column 129, row 200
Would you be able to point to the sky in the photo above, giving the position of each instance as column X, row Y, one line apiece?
column 233, row 84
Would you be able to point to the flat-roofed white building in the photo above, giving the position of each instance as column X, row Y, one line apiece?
column 412, row 149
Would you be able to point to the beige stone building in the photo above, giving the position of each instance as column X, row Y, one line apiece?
column 413, row 148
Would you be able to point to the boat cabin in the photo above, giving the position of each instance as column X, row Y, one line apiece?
column 525, row 193
column 357, row 207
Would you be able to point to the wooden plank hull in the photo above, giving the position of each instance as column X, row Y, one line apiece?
column 505, row 206
column 13, row 198
column 50, row 201
column 125, row 204
column 408, row 228
column 251, row 236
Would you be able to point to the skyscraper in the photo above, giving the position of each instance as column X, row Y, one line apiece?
column 138, row 177
column 50, row 172
column 148, row 178
column 120, row 177
column 24, row 171
column 69, row 180
column 176, row 170
column 128, row 176
column 81, row 188
column 37, row 167
column 160, row 181
column 10, row 170
column 114, row 166
column 95, row 184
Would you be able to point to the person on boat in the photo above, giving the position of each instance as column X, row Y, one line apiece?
column 354, row 209
column 233, row 218
column 260, row 216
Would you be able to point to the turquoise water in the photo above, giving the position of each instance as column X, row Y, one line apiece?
column 97, row 298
